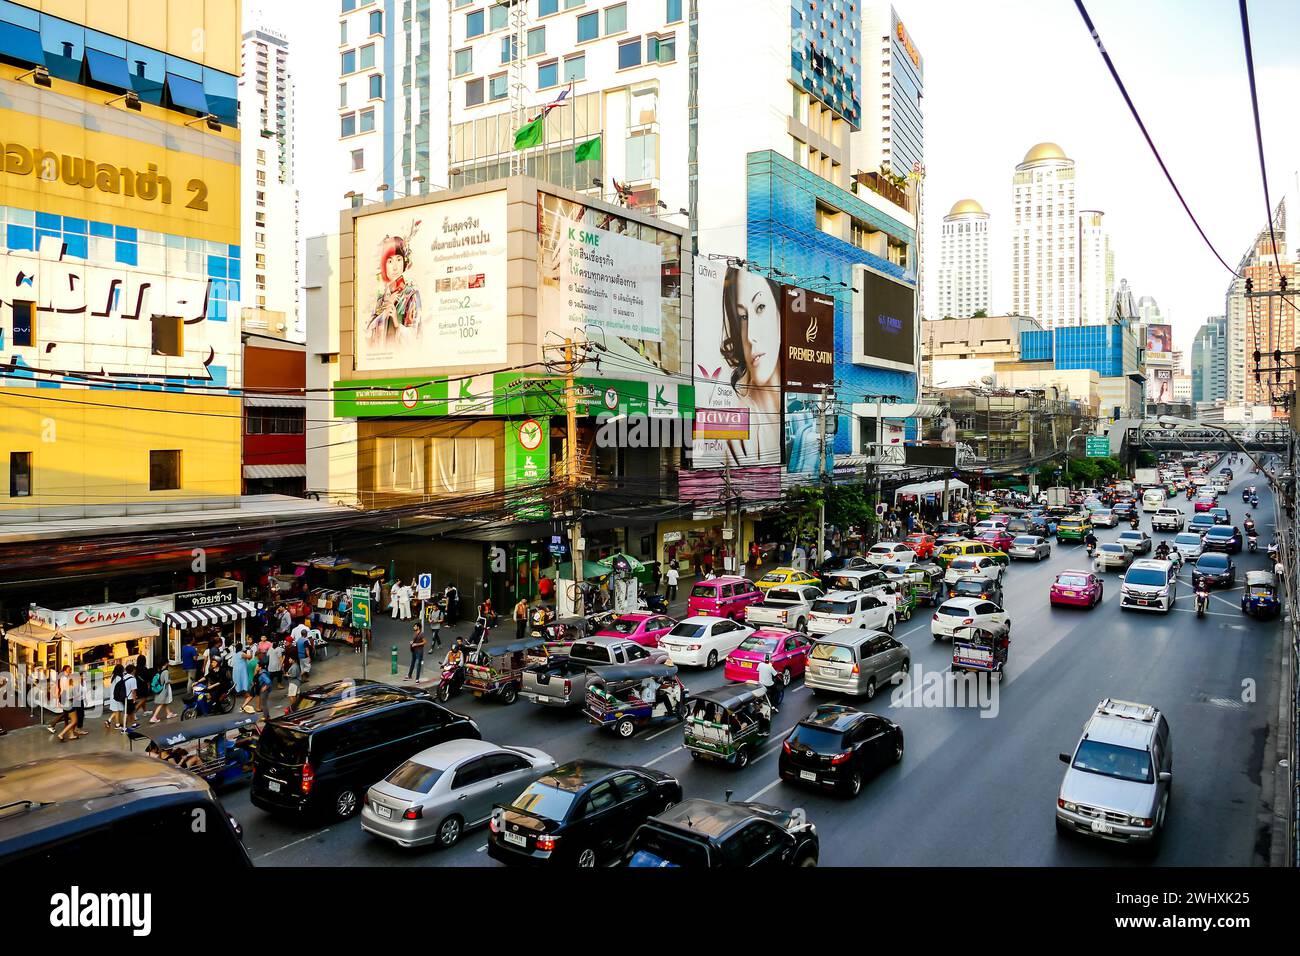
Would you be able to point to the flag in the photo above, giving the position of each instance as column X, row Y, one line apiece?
column 623, row 193
column 588, row 150
column 530, row 134
column 558, row 100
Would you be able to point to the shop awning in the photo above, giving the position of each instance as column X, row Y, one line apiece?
column 125, row 630
column 931, row 487
column 220, row 614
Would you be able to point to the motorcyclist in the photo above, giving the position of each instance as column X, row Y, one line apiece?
column 1162, row 551
column 1254, row 501
column 1133, row 520
column 1090, row 540
column 1272, row 549
column 1252, row 540
column 1202, row 600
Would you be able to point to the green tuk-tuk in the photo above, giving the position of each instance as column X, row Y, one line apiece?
column 727, row 724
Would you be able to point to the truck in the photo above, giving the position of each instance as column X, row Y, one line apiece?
column 1147, row 476
column 562, row 681
column 784, row 607
column 1058, row 497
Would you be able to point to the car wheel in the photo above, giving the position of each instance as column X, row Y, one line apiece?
column 904, row 671
column 898, row 748
column 742, row 758
column 345, row 804
column 808, row 859
column 449, row 831
column 587, row 859
column 1062, row 829
column 785, row 677
column 625, row 728
column 871, row 689
column 802, row 626
column 509, row 695
column 712, row 662
column 853, row 786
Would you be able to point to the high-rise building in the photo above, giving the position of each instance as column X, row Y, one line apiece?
column 1210, row 361
column 120, row 253
column 269, row 200
column 1148, row 311
column 893, row 123
column 1044, row 249
column 964, row 261
column 393, row 107
column 1096, row 268
column 1263, row 323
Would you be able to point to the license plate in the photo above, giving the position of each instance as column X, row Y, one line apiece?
column 807, row 775
column 746, row 663
column 385, row 812
column 1101, row 826
column 273, row 786
column 1142, row 602
column 515, row 838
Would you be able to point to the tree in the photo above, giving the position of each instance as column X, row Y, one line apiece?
column 980, row 314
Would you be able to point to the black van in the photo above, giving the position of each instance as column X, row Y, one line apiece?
column 66, row 812
column 323, row 759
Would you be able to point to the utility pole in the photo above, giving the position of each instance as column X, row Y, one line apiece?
column 821, row 476
column 573, row 473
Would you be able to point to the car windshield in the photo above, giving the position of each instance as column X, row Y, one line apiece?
column 783, row 597
column 832, row 652
column 687, row 630
column 622, row 626
column 1130, row 536
column 1025, row 540
column 542, row 800
column 953, row 610
column 970, row 587
column 1146, row 576
column 832, row 607
column 1213, row 562
column 414, row 776
column 1072, row 581
column 652, row 847
column 1071, row 525
column 818, row 739
column 1111, row 760
column 844, row 584
column 1113, row 548
column 882, row 549
column 963, row 565
column 1221, row 532
column 765, row 644
column 775, row 577
column 1187, row 539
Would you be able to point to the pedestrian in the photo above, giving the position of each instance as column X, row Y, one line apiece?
column 69, row 698
column 394, row 599
column 375, row 592
column 161, row 686
column 417, row 652
column 671, row 578
column 116, row 700
column 143, row 684
column 545, row 589
column 772, row 685
column 301, row 637
column 275, row 664
column 239, row 673
column 62, row 690
column 521, row 618
column 262, row 684
column 293, row 673
column 189, row 662
column 130, row 697
column 435, row 624
column 314, row 640
column 283, row 622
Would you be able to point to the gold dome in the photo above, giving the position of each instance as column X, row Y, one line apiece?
column 1044, row 151
column 966, row 207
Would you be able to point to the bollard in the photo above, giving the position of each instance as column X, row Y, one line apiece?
column 394, row 657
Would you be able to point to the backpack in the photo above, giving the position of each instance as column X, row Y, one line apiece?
column 119, row 691
column 158, row 683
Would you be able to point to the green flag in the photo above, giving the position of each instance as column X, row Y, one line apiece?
column 530, row 134
column 588, row 150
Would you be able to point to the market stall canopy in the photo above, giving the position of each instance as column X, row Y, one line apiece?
column 931, row 487
column 217, row 614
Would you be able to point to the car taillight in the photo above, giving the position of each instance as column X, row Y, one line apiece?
column 492, row 824
column 308, row 778
column 934, row 616
column 568, row 687
column 841, row 758
column 414, row 813
column 693, row 647
column 969, row 620
column 785, row 745
column 855, row 670
column 547, row 843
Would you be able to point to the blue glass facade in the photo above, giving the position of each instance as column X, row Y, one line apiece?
column 1097, row 347
column 826, row 53
column 782, row 233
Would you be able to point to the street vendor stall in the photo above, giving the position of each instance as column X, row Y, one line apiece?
column 204, row 615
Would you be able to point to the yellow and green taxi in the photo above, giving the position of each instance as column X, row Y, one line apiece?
column 969, row 549
column 785, row 577
column 985, row 509
column 1073, row 528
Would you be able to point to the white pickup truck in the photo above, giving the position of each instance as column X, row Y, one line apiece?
column 1168, row 519
column 784, row 607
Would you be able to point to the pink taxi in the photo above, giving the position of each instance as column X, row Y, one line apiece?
column 788, row 650
column 723, row 597
column 1076, row 588
column 642, row 627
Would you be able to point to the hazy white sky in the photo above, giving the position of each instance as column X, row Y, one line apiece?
column 1002, row 75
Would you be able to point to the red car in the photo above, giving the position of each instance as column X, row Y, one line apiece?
column 922, row 544
column 789, row 653
column 1000, row 539
column 645, row 629
column 1076, row 589
column 1206, row 502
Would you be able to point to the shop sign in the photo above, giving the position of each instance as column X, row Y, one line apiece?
column 528, row 466
column 672, row 537
column 206, row 597
column 99, row 615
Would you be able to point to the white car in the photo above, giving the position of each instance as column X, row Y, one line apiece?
column 783, row 607
column 989, row 524
column 967, row 612
column 889, row 552
column 1189, row 544
column 975, row 566
column 704, row 641
column 840, row 609
column 1102, row 517
column 1030, row 546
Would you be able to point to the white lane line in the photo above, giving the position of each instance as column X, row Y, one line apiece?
column 310, row 836
column 755, row 796
column 482, row 849
column 662, row 756
column 660, row 733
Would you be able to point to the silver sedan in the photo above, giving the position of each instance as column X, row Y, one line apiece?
column 440, row 792
column 1030, row 546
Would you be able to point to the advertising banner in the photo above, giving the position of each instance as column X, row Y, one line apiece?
column 808, row 321
column 803, row 438
column 737, row 368
column 1160, row 339
column 886, row 333
column 1160, row 384
column 528, row 465
column 208, row 597
column 431, row 285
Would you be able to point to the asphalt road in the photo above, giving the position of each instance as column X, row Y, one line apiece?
column 974, row 787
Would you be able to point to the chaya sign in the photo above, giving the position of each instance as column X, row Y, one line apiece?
column 100, row 615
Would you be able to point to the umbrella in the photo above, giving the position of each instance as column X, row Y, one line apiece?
column 621, row 563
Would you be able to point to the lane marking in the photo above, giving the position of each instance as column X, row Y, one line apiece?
column 482, row 849
column 663, row 756
column 1192, row 610
column 660, row 733
column 755, row 796
column 310, row 836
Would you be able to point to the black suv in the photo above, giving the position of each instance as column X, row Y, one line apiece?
column 702, row 833
column 836, row 747
column 60, row 812
column 580, row 814
column 1214, row 570
column 336, row 690
column 321, row 760
column 976, row 588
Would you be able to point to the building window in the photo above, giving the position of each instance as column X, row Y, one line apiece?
column 377, row 86
column 464, row 62
column 348, row 125
column 498, row 87
column 473, row 24
column 275, row 421
column 20, row 474
column 588, row 27
column 498, row 14
column 546, row 7
column 537, row 41
column 548, row 74
column 343, row 33
column 367, row 120
column 358, row 160
column 349, row 64
column 473, row 92
column 629, row 54
column 642, row 157
column 575, row 68
column 376, row 22
column 165, row 470
column 367, row 60
column 615, row 19
column 24, row 323
column 260, row 259
column 674, row 12
column 661, row 49
column 343, row 95
column 462, row 465
column 168, row 335
column 399, row 464
column 570, row 4
column 509, row 49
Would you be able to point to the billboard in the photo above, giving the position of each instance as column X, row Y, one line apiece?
column 886, row 332
column 431, row 285
column 1160, row 384
column 1160, row 339
column 737, row 367
column 808, row 324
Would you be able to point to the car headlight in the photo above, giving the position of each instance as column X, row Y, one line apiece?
column 1072, row 807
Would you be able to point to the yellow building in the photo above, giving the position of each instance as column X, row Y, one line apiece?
column 119, row 256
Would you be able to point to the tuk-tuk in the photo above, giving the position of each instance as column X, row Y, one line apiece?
column 918, row 584
column 558, row 633
column 726, row 724
column 219, row 748
column 497, row 670
column 628, row 697
column 980, row 649
column 1260, row 598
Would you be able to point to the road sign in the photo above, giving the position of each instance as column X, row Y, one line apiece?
column 1098, row 446
column 424, row 586
column 361, row 607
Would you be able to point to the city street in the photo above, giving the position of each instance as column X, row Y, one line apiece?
column 972, row 789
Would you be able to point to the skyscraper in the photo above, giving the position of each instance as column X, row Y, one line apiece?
column 1210, row 361
column 893, row 125
column 1044, row 250
column 964, row 261
column 1096, row 268
column 269, row 198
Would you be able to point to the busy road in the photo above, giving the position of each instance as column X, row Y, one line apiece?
column 976, row 786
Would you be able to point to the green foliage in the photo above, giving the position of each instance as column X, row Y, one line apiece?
column 980, row 314
column 1147, row 459
column 1109, row 467
column 846, row 506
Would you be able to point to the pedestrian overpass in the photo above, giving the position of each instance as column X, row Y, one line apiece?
column 1128, row 436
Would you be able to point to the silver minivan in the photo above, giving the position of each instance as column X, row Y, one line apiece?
column 856, row 662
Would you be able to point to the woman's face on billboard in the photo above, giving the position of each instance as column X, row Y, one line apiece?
column 760, row 328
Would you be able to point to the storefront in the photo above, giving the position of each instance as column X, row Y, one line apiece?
column 200, row 617
column 698, row 546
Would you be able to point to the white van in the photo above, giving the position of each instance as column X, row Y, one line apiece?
column 1153, row 499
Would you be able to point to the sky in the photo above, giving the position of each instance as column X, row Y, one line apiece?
column 1003, row 75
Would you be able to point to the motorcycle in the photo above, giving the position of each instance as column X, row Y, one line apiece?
column 654, row 603
column 453, row 677
column 1092, row 549
column 1133, row 522
column 1254, row 502
column 202, row 703
column 1252, row 543
column 1202, row 602
column 1245, row 495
